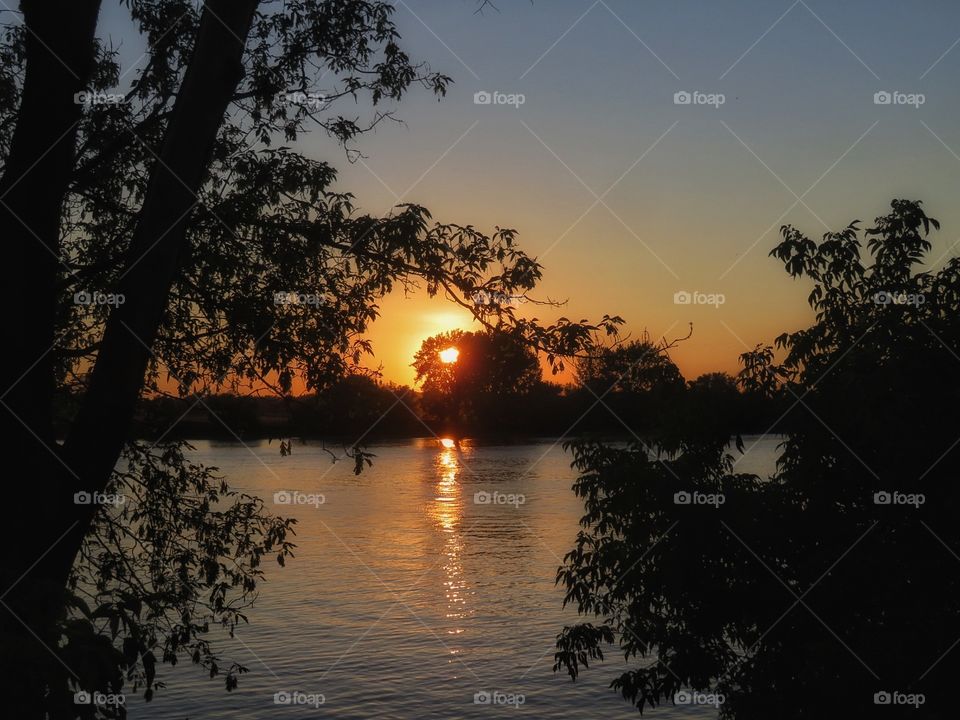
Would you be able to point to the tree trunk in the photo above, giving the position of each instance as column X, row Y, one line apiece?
column 97, row 435
column 60, row 60
column 102, row 425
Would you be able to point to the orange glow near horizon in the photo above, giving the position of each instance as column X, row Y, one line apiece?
column 448, row 443
column 407, row 321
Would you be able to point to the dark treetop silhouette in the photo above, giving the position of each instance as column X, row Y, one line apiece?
column 177, row 201
column 832, row 582
column 493, row 376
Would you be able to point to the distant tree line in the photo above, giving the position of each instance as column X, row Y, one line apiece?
column 494, row 390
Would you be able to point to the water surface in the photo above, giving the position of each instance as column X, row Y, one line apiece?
column 406, row 597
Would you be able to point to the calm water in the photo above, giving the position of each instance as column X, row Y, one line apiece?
column 406, row 598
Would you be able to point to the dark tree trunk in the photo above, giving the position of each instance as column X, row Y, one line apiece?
column 60, row 56
column 97, row 435
column 102, row 425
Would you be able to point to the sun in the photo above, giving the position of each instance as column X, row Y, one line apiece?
column 449, row 355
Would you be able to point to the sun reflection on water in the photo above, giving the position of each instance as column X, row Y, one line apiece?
column 447, row 512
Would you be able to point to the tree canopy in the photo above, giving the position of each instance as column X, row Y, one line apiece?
column 171, row 237
column 492, row 372
column 827, row 583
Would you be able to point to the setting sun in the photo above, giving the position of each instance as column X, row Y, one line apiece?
column 449, row 355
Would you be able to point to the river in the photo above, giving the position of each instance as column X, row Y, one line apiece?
column 409, row 596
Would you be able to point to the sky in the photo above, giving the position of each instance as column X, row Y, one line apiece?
column 628, row 195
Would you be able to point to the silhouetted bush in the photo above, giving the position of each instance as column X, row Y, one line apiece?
column 831, row 586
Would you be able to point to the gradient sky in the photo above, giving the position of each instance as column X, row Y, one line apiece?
column 691, row 197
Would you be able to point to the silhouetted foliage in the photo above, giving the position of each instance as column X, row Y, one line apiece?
column 632, row 367
column 174, row 240
column 486, row 386
column 627, row 388
column 833, row 580
column 495, row 388
column 174, row 553
column 356, row 408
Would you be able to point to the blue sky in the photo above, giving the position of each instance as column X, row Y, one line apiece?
column 690, row 196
